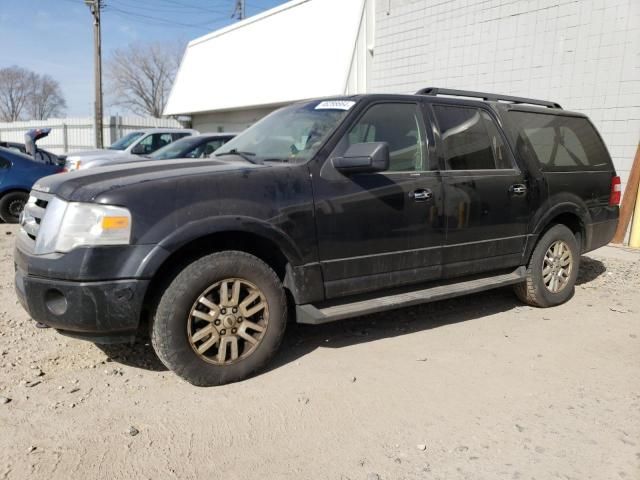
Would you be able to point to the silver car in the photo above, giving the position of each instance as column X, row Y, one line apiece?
column 140, row 142
column 195, row 146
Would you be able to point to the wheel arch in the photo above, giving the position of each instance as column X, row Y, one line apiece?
column 13, row 189
column 172, row 255
column 573, row 216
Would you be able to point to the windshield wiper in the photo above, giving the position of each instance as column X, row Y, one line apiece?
column 245, row 155
column 281, row 160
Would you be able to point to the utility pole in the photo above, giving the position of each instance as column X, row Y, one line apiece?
column 95, row 7
column 238, row 11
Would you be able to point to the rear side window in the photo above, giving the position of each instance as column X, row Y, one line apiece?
column 471, row 139
column 560, row 143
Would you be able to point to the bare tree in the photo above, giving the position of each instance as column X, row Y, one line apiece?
column 139, row 77
column 25, row 94
column 16, row 86
column 46, row 99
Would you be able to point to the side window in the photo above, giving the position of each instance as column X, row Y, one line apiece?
column 153, row 142
column 400, row 126
column 559, row 142
column 212, row 146
column 501, row 154
column 178, row 136
column 471, row 139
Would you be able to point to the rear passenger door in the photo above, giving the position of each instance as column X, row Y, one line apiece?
column 485, row 192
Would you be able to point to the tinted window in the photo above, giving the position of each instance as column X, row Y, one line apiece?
column 399, row 125
column 205, row 149
column 212, row 146
column 560, row 142
column 177, row 136
column 471, row 139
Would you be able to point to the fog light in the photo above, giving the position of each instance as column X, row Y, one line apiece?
column 55, row 301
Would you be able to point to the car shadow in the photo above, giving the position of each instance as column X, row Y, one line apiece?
column 140, row 354
column 301, row 340
column 590, row 269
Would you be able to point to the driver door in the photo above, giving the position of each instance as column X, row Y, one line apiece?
column 382, row 229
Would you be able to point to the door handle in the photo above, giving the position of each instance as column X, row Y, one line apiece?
column 421, row 195
column 518, row 189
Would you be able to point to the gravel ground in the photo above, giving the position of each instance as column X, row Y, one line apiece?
column 475, row 388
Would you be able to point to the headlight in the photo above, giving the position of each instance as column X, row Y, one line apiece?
column 71, row 165
column 69, row 225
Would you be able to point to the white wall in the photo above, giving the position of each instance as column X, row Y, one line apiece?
column 229, row 121
column 69, row 134
column 583, row 54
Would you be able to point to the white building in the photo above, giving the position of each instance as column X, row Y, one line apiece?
column 582, row 54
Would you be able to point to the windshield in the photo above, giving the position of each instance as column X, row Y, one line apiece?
column 178, row 149
column 125, row 141
column 291, row 134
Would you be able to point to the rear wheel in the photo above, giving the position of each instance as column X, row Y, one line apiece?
column 552, row 269
column 11, row 206
column 221, row 319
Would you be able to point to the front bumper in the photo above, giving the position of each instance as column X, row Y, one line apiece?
column 103, row 311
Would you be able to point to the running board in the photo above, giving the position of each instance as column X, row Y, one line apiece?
column 310, row 314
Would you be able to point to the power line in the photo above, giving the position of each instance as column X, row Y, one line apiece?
column 170, row 7
column 158, row 21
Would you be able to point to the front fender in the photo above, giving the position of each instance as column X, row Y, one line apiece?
column 195, row 230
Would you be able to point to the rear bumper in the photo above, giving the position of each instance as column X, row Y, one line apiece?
column 103, row 311
column 600, row 234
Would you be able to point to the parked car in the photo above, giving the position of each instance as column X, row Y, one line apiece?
column 323, row 210
column 196, row 146
column 140, row 142
column 41, row 155
column 18, row 173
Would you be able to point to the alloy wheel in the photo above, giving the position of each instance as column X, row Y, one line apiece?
column 228, row 321
column 557, row 266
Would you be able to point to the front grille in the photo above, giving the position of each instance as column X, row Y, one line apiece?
column 33, row 213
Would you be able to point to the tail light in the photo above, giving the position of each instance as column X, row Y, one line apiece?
column 616, row 192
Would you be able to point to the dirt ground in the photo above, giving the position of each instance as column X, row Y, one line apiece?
column 480, row 387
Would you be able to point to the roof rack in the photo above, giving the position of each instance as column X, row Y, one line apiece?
column 434, row 91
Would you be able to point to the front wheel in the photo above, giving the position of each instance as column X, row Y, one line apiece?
column 221, row 319
column 552, row 270
column 11, row 206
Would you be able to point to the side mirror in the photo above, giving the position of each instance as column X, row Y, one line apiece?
column 139, row 149
column 364, row 158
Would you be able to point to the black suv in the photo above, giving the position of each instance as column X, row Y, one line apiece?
column 323, row 210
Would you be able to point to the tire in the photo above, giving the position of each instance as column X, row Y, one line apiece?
column 183, row 317
column 535, row 291
column 11, row 206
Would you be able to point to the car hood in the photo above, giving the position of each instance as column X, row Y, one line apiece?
column 86, row 185
column 93, row 153
column 108, row 158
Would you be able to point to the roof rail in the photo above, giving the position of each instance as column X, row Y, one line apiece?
column 434, row 91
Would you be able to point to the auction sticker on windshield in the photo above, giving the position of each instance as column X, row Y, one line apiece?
column 335, row 105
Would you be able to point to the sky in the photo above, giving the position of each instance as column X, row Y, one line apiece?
column 56, row 36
